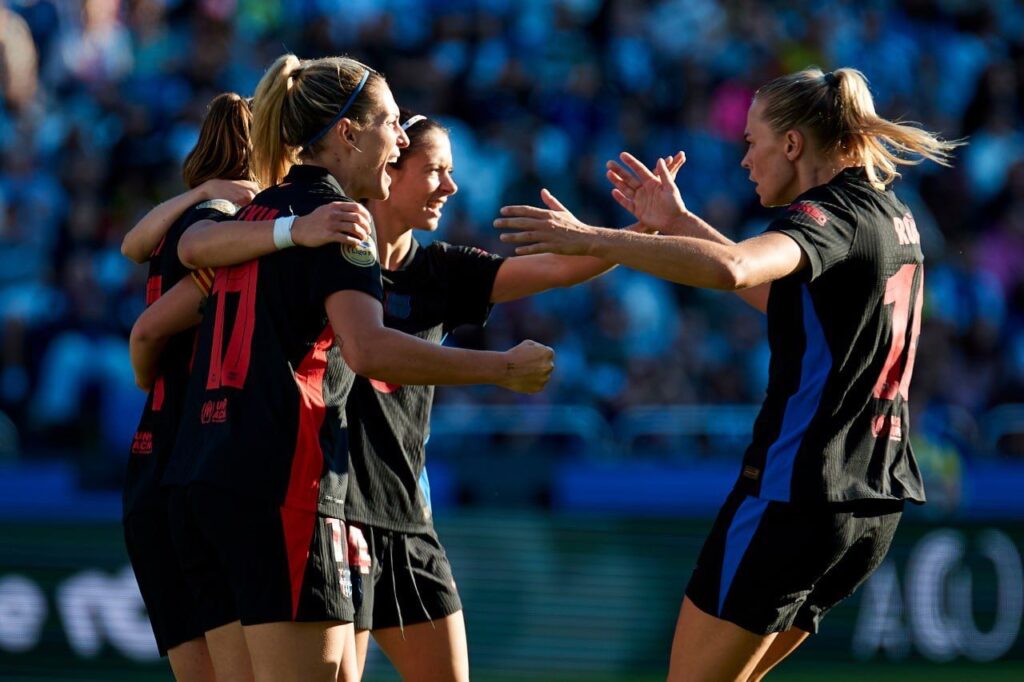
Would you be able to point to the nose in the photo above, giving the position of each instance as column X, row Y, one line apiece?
column 745, row 163
column 403, row 140
column 448, row 184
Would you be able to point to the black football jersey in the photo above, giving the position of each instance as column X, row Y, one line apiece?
column 158, row 426
column 440, row 287
column 843, row 333
column 264, row 414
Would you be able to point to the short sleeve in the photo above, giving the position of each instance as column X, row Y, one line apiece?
column 339, row 268
column 203, row 277
column 470, row 274
column 823, row 228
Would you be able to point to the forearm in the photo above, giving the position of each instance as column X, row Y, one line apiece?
column 684, row 260
column 394, row 357
column 692, row 225
column 142, row 240
column 145, row 357
column 211, row 244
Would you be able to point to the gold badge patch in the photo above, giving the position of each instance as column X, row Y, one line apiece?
column 364, row 255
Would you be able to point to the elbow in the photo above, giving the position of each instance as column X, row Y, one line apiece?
column 359, row 355
column 735, row 274
column 130, row 253
column 188, row 254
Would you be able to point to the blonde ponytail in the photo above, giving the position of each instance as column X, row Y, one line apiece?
column 837, row 110
column 296, row 102
column 271, row 158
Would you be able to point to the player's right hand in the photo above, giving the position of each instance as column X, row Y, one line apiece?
column 528, row 367
column 344, row 222
column 651, row 196
column 238, row 192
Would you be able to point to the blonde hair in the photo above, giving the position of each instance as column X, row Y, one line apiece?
column 223, row 149
column 837, row 110
column 295, row 100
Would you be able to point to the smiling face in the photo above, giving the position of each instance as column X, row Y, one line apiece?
column 422, row 184
column 771, row 170
column 380, row 141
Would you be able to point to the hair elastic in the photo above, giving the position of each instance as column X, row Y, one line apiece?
column 413, row 120
column 348, row 104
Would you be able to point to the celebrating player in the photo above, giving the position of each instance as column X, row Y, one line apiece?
column 216, row 168
column 840, row 276
column 409, row 597
column 262, row 448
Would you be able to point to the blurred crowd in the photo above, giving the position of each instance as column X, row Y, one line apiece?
column 102, row 100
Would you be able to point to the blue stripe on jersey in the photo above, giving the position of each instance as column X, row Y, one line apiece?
column 800, row 408
column 425, row 487
column 741, row 531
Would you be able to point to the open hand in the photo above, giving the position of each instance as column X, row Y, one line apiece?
column 652, row 197
column 551, row 230
column 345, row 222
column 238, row 192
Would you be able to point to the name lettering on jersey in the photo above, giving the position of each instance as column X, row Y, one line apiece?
column 142, row 444
column 889, row 424
column 364, row 255
column 906, row 229
column 214, row 412
column 811, row 211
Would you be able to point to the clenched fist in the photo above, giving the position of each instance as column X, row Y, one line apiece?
column 528, row 367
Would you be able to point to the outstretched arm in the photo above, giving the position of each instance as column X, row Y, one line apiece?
column 685, row 260
column 655, row 200
column 142, row 240
column 375, row 351
column 210, row 244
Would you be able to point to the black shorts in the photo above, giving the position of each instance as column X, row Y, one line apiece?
column 263, row 562
column 173, row 611
column 769, row 566
column 408, row 579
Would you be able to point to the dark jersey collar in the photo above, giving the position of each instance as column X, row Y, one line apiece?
column 313, row 174
column 414, row 248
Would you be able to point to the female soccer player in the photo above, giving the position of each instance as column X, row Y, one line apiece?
column 262, row 447
column 218, row 166
column 824, row 481
column 409, row 597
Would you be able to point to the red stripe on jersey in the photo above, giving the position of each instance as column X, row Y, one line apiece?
column 158, row 394
column 153, row 286
column 307, row 462
column 159, row 247
column 298, row 526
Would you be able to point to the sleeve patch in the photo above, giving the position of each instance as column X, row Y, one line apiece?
column 204, row 280
column 810, row 210
column 221, row 205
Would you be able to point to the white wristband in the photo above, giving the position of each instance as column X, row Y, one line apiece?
column 283, row 232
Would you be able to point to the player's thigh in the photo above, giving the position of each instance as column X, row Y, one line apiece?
column 190, row 661
column 297, row 652
column 351, row 665
column 782, row 646
column 229, row 653
column 428, row 652
column 708, row 649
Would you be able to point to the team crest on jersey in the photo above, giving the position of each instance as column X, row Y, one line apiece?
column 364, row 255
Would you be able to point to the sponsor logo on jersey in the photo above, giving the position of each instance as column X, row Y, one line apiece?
column 364, row 255
column 811, row 211
column 214, row 412
column 142, row 444
column 753, row 473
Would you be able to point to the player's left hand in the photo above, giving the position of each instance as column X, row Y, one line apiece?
column 551, row 230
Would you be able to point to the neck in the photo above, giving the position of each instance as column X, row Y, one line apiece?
column 819, row 171
column 336, row 165
column 394, row 237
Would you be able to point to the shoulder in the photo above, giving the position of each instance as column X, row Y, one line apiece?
column 823, row 205
column 458, row 252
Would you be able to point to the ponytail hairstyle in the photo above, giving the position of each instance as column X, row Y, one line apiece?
column 296, row 104
column 417, row 128
column 836, row 109
column 224, row 149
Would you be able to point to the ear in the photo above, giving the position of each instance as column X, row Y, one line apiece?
column 794, row 144
column 346, row 132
